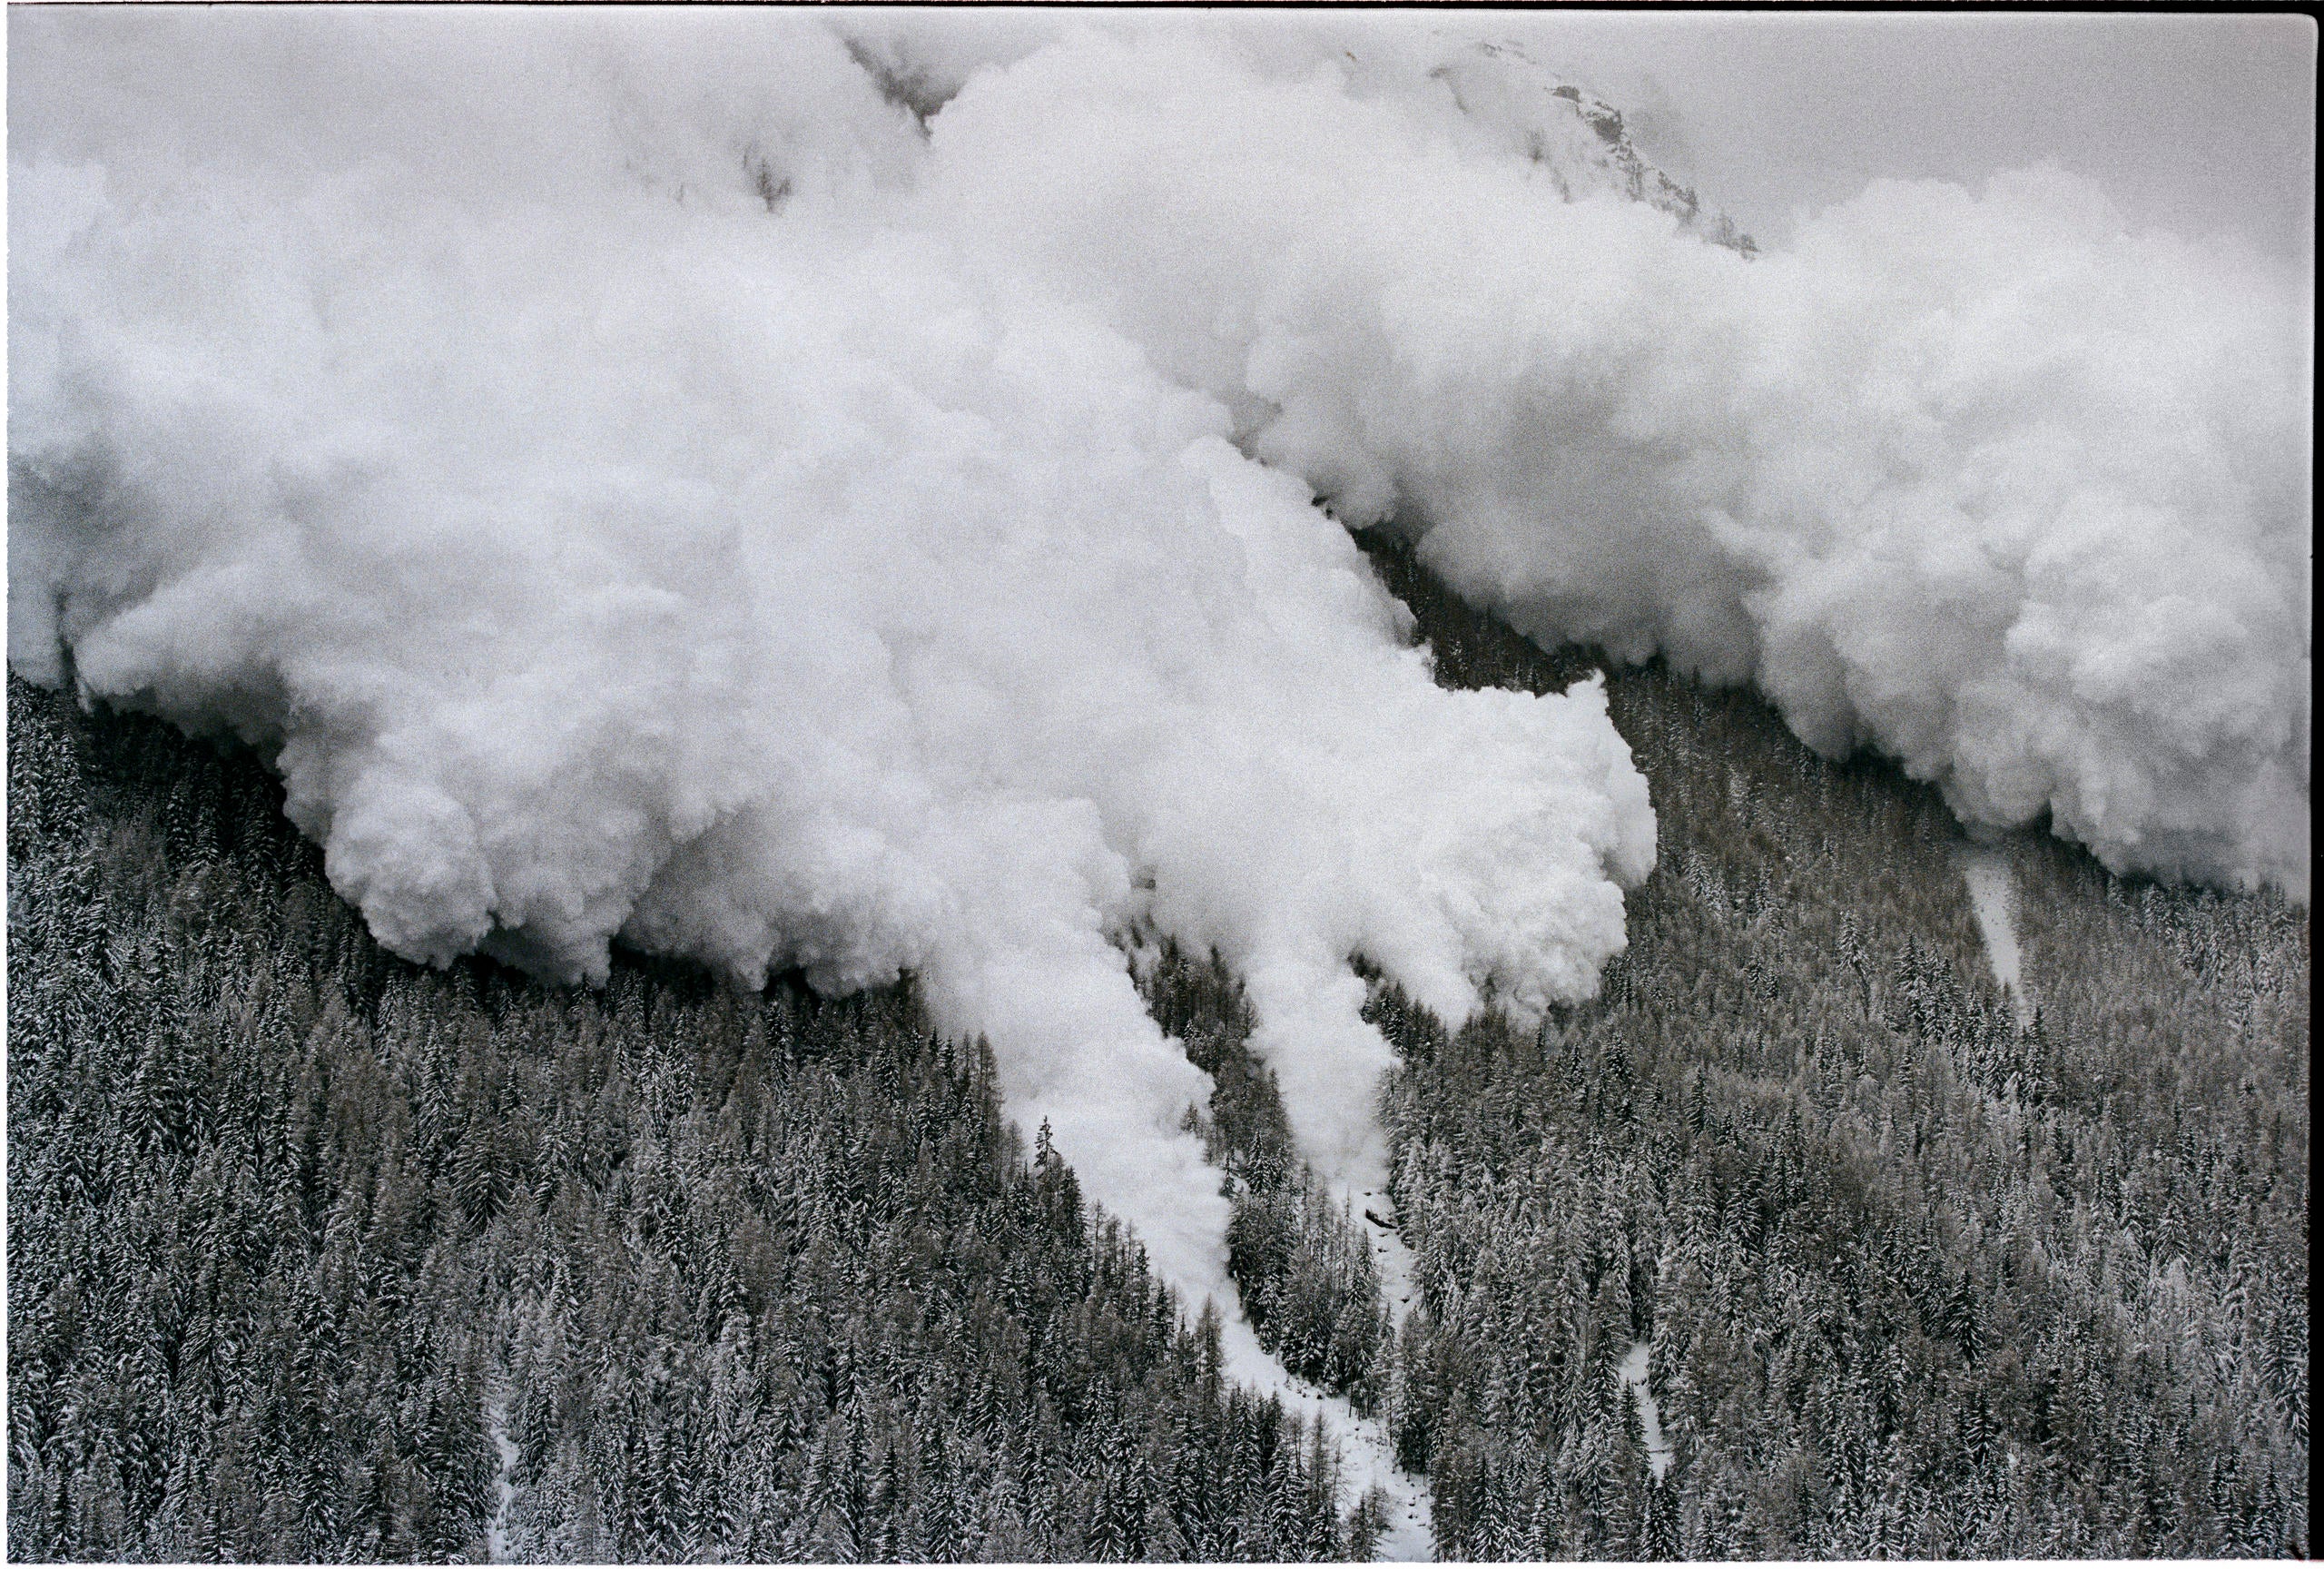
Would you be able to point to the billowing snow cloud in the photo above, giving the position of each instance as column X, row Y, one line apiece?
column 626, row 518
column 1976, row 478
column 700, row 480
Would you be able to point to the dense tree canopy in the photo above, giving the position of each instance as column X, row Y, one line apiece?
column 314, row 1254
column 1915, row 1279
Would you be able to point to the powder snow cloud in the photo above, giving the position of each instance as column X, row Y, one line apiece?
column 1976, row 478
column 706, row 482
column 625, row 520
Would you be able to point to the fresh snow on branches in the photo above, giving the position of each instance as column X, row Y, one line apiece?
column 849, row 502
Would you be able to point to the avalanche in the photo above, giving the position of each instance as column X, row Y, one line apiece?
column 631, row 518
column 848, row 502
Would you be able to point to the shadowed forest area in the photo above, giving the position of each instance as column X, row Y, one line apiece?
column 301, row 1235
column 317, row 1254
column 1915, row 1281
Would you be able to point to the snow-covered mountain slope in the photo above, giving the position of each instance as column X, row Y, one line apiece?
column 1576, row 135
column 772, row 499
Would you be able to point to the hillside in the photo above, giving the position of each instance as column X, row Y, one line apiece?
column 302, row 1236
column 1915, row 1281
column 853, row 922
column 317, row 1253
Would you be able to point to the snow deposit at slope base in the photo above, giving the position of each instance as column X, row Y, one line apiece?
column 621, row 519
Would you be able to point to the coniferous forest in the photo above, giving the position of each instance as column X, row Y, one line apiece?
column 1915, row 1279
column 316, row 1254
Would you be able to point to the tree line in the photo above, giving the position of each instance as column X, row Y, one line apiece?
column 314, row 1254
column 317, row 1254
column 1915, row 1279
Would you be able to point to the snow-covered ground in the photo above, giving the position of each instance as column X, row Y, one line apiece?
column 1408, row 1537
column 1993, row 895
column 503, row 1480
column 1632, row 1373
column 1367, row 1458
column 1390, row 1257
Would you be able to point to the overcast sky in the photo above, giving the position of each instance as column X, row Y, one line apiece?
column 2195, row 122
column 2198, row 123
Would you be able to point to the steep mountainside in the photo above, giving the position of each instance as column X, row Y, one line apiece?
column 1915, row 1279
column 1576, row 135
column 316, row 1253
